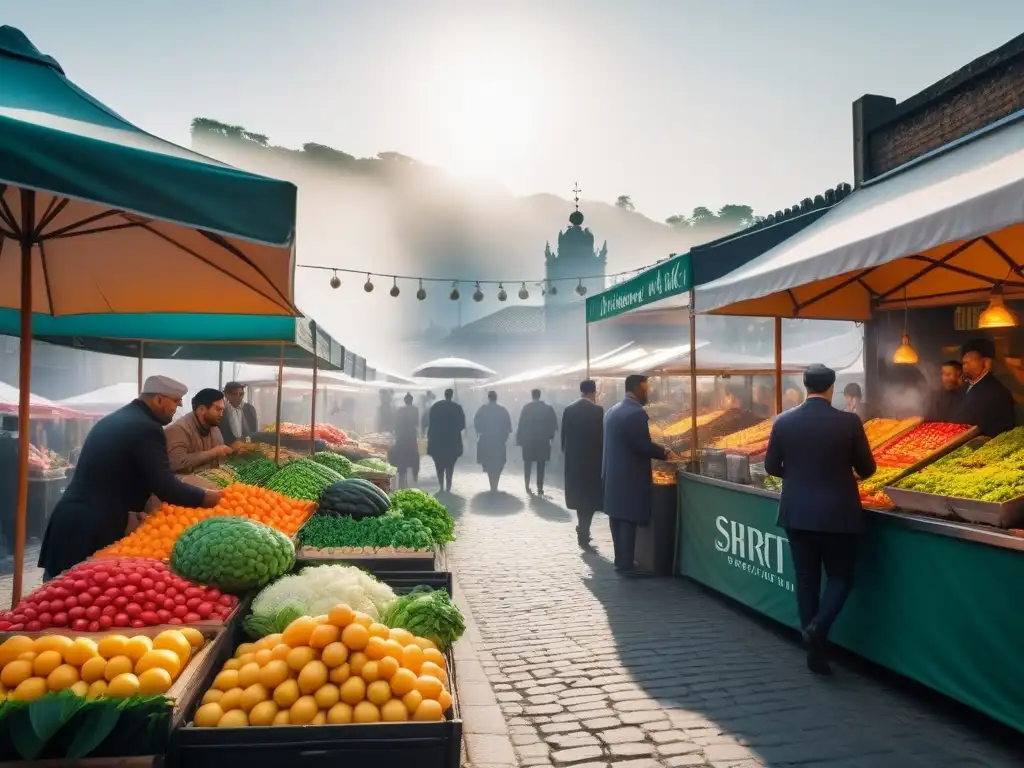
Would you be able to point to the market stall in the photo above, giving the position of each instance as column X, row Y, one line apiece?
column 932, row 583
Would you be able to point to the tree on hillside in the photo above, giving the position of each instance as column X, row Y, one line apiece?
column 729, row 217
column 625, row 203
column 678, row 221
column 703, row 217
column 738, row 216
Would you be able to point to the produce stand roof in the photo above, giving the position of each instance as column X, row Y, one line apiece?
column 940, row 229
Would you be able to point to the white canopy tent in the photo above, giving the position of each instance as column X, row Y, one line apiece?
column 105, row 399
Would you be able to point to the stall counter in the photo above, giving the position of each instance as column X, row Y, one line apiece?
column 934, row 601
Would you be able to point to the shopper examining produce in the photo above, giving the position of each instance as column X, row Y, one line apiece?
column 950, row 394
column 123, row 462
column 240, row 421
column 987, row 403
column 813, row 449
column 194, row 441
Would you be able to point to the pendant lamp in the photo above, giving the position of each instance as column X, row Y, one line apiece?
column 997, row 314
column 905, row 354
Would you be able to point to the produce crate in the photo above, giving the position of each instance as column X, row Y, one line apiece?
column 420, row 560
column 915, row 501
column 382, row 480
column 1009, row 514
column 959, row 440
column 395, row 745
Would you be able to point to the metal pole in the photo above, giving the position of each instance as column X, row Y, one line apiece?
column 280, row 392
column 778, row 365
column 587, row 332
column 312, row 407
column 220, row 375
column 28, row 218
column 694, row 457
column 142, row 355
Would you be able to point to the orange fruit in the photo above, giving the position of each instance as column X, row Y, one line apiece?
column 428, row 710
column 355, row 637
column 403, row 681
column 430, row 669
column 412, row 701
column 334, row 655
column 375, row 648
column 430, row 687
column 387, row 667
column 435, row 656
column 412, row 657
column 341, row 616
column 324, row 635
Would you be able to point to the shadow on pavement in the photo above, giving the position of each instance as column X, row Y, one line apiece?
column 495, row 503
column 549, row 510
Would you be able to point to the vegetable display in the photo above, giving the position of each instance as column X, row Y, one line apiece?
column 354, row 497
column 303, row 479
column 428, row 613
column 232, row 553
column 100, row 594
column 412, row 502
column 870, row 490
column 335, row 461
column 256, row 472
column 313, row 591
column 337, row 668
column 880, row 431
column 994, row 472
column 325, row 432
column 156, row 535
column 347, row 535
column 919, row 443
column 222, row 476
column 751, row 441
column 375, row 465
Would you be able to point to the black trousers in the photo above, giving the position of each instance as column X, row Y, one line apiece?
column 837, row 554
column 527, row 466
column 494, row 476
column 624, row 542
column 444, row 473
column 585, row 519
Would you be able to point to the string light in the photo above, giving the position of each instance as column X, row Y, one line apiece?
column 394, row 288
column 501, row 292
column 523, row 293
column 368, row 285
column 335, row 281
column 454, row 295
column 552, row 288
column 478, row 295
column 581, row 289
column 421, row 294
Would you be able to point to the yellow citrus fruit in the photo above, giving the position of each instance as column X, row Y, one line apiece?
column 341, row 616
column 46, row 662
column 280, row 651
column 374, row 648
column 445, row 700
column 13, row 647
column 111, row 646
column 303, row 711
column 370, row 671
column 365, row 712
column 287, row 693
column 298, row 633
column 412, row 657
column 358, row 617
column 339, row 714
column 93, row 669
column 403, row 681
column 80, row 651
column 123, row 686
column 412, row 700
column 208, row 715
column 28, row 656
column 264, row 656
column 232, row 664
column 430, row 687
column 324, row 635
column 194, row 636
column 300, row 656
column 231, row 699
column 327, row 696
column 378, row 692
column 234, row 718
column 334, row 655
column 283, row 717
column 274, row 673
column 164, row 658
column 249, row 674
column 394, row 649
column 245, row 658
column 376, row 629
column 430, row 669
column 173, row 640
column 355, row 637
column 212, row 696
column 29, row 689
column 58, row 643
column 244, row 648
column 81, row 688
column 155, row 681
column 353, row 690
column 96, row 689
column 253, row 695
column 424, row 643
column 118, row 666
column 428, row 710
column 269, row 641
column 137, row 647
column 263, row 713
column 356, row 661
column 312, row 676
column 394, row 711
column 320, row 718
column 435, row 656
column 62, row 677
column 340, row 674
column 403, row 636
column 226, row 679
column 387, row 667
column 15, row 672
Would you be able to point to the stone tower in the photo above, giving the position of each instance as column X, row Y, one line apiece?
column 574, row 258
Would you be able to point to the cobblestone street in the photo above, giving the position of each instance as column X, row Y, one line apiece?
column 593, row 670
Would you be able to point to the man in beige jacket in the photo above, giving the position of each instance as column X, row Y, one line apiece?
column 194, row 442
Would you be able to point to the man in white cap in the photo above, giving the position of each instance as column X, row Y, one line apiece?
column 123, row 462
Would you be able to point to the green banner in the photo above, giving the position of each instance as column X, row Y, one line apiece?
column 670, row 278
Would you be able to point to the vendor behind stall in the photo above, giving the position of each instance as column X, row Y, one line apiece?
column 240, row 421
column 123, row 462
column 951, row 393
column 194, row 441
column 987, row 403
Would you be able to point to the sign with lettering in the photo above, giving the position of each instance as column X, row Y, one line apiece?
column 670, row 278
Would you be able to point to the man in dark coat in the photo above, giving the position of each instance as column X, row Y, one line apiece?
column 815, row 449
column 626, row 470
column 123, row 462
column 534, row 433
column 950, row 394
column 987, row 403
column 444, row 437
column 582, row 439
column 492, row 425
column 404, row 454
column 240, row 420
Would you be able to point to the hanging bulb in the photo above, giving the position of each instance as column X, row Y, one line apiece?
column 502, row 295
column 523, row 293
column 552, row 288
column 368, row 285
column 478, row 295
column 581, row 289
column 454, row 295
column 997, row 314
column 394, row 288
column 905, row 354
column 335, row 281
column 421, row 294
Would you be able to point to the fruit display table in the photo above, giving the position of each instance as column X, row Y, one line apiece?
column 933, row 599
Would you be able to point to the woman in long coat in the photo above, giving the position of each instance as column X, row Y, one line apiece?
column 405, row 450
column 492, row 425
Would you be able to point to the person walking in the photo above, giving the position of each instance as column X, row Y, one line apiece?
column 405, row 450
column 582, row 441
column 537, row 426
column 816, row 449
column 492, row 425
column 626, row 470
column 444, row 437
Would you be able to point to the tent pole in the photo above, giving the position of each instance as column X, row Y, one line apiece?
column 28, row 223
column 280, row 392
column 694, row 458
column 312, row 406
column 220, row 375
column 587, row 333
column 778, row 365
column 142, row 354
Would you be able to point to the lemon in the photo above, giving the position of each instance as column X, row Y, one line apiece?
column 334, row 655
column 231, row 699
column 263, row 713
column 356, row 661
column 269, row 641
column 208, row 715
column 93, row 669
column 327, row 696
column 376, row 629
column 194, row 636
column 58, row 643
column 137, row 647
column 253, row 695
column 15, row 672
column 387, row 667
column 403, row 636
column 30, row 689
column 324, row 635
column 340, row 615
column 118, row 665
column 320, row 718
column 46, row 662
column 155, row 681
column 430, row 687
column 299, row 632
column 226, row 680
column 62, row 677
column 378, row 692
column 287, row 693
column 123, row 686
column 303, row 710
column 282, row 717
column 96, row 689
column 355, row 637
column 300, row 656
column 394, row 649
column 249, row 674
column 312, row 676
column 245, row 658
column 430, row 669
column 232, row 664
column 445, row 700
column 174, row 640
column 412, row 701
column 111, row 646
column 340, row 713
column 13, row 647
column 403, row 681
column 234, row 718
column 212, row 696
column 81, row 651
column 263, row 657
column 365, row 712
column 353, row 690
column 245, row 648
column 340, row 674
column 280, row 651
column 274, row 673
column 428, row 710
column 370, row 671
column 81, row 688
column 394, row 711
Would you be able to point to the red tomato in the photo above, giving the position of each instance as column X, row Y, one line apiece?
column 212, row 593
column 94, row 626
column 46, row 619
column 109, row 610
column 134, row 610
column 56, row 606
column 129, row 589
column 93, row 612
column 100, row 578
column 32, row 626
column 43, row 606
column 180, row 611
column 174, row 620
column 80, row 625
column 193, row 592
column 121, row 601
column 169, row 604
column 4, row 626
column 61, row 592
column 204, row 610
column 70, row 602
column 160, row 586
column 120, row 580
column 121, row 620
column 171, row 591
column 102, row 601
column 163, row 616
column 192, row 603
column 192, row 618
column 138, row 623
column 106, row 622
column 135, row 578
column 30, row 613
column 80, row 585
column 60, row 619
column 149, row 618
column 78, row 612
column 85, row 599
column 227, row 600
column 95, row 591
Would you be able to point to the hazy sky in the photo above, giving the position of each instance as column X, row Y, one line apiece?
column 675, row 103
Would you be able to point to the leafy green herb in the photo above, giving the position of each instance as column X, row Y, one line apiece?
column 390, row 530
column 428, row 613
column 414, row 503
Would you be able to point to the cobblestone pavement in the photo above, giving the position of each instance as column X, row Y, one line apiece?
column 592, row 670
column 33, row 576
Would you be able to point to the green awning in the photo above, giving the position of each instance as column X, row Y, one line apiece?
column 671, row 277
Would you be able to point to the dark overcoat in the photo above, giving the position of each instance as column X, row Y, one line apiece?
column 535, row 431
column 582, row 439
column 815, row 449
column 987, row 405
column 250, row 425
column 492, row 425
column 123, row 462
column 444, row 431
column 626, row 464
column 405, row 451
